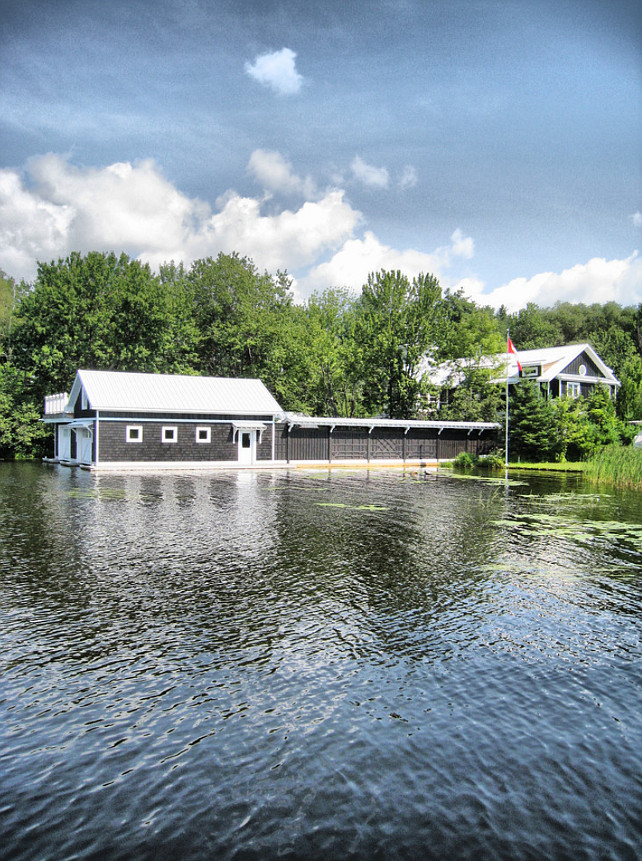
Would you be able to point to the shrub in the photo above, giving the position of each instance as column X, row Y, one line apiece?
column 464, row 460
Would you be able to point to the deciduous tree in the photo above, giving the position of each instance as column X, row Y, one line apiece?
column 396, row 322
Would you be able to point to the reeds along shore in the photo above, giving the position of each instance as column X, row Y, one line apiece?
column 617, row 465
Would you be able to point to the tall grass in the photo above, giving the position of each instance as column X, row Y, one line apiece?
column 618, row 465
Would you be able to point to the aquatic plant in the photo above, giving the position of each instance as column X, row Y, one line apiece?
column 617, row 465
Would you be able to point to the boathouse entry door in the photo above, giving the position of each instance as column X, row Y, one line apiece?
column 247, row 447
column 83, row 443
column 64, row 443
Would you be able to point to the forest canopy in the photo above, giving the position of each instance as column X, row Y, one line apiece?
column 338, row 354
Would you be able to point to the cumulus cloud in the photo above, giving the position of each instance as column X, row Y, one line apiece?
column 276, row 174
column 121, row 205
column 357, row 258
column 55, row 208
column 134, row 208
column 374, row 177
column 277, row 71
column 636, row 218
column 30, row 227
column 599, row 280
column 287, row 240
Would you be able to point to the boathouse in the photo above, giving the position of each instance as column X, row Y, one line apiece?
column 116, row 420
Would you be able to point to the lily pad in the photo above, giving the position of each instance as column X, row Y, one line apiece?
column 353, row 507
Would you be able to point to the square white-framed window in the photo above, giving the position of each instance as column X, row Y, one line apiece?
column 203, row 433
column 169, row 433
column 573, row 390
column 133, row 433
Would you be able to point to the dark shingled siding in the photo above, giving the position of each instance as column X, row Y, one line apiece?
column 114, row 448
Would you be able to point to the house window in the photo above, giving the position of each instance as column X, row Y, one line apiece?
column 573, row 390
column 134, row 433
column 203, row 434
column 169, row 433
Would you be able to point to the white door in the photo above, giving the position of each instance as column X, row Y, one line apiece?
column 247, row 447
column 64, row 443
column 83, row 445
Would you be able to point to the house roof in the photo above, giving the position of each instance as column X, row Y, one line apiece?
column 173, row 393
column 551, row 360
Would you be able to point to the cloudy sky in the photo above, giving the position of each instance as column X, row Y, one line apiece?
column 494, row 143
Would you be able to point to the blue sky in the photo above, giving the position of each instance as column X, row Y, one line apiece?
column 495, row 144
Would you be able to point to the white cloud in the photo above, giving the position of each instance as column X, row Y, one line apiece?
column 636, row 218
column 30, row 227
column 56, row 208
column 351, row 266
column 462, row 246
column 408, row 178
column 276, row 174
column 284, row 241
column 374, row 177
column 118, row 206
column 277, row 71
column 135, row 209
column 599, row 281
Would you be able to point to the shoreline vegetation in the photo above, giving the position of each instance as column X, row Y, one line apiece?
column 617, row 465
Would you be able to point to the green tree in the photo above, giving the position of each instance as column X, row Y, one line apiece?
column 92, row 311
column 334, row 387
column 475, row 398
column 236, row 310
column 21, row 432
column 10, row 294
column 629, row 396
column 470, row 331
column 396, row 322
column 602, row 414
column 533, row 428
column 532, row 327
column 96, row 311
column 586, row 425
column 575, row 433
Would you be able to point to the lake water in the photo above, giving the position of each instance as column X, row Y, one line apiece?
column 346, row 664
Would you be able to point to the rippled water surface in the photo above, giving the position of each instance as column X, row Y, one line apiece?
column 303, row 664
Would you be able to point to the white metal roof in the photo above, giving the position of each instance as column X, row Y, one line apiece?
column 173, row 393
column 327, row 421
column 552, row 361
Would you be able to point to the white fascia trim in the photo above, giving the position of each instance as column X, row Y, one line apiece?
column 163, row 418
column 594, row 381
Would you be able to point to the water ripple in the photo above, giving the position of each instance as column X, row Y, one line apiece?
column 198, row 666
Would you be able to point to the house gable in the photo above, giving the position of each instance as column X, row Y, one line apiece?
column 583, row 366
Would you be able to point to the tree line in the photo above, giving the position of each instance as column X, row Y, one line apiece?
column 337, row 354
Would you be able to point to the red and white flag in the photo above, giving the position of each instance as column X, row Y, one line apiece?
column 511, row 349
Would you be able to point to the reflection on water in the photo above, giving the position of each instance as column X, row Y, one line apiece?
column 305, row 664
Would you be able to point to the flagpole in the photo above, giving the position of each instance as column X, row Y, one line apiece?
column 507, row 363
